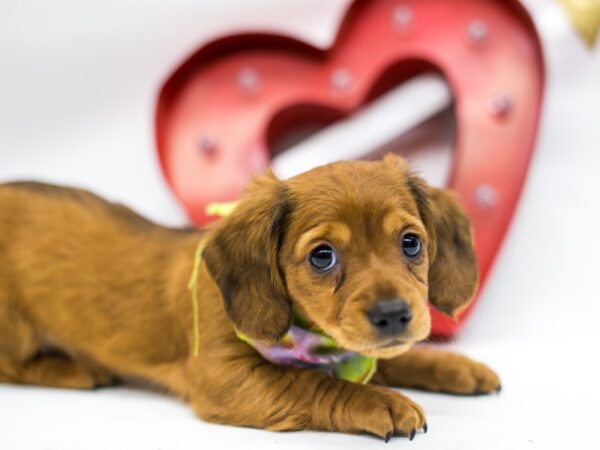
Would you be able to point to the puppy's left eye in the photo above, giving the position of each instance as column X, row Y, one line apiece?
column 411, row 245
column 322, row 258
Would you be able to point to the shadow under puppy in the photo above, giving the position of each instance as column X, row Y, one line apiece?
column 90, row 292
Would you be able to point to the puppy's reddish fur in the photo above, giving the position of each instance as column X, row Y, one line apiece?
column 91, row 293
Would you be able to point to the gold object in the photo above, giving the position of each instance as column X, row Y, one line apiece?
column 585, row 18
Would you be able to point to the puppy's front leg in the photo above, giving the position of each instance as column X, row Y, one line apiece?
column 437, row 371
column 263, row 395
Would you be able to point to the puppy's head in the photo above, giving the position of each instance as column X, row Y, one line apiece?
column 359, row 248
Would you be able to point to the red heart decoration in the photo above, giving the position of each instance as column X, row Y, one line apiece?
column 220, row 111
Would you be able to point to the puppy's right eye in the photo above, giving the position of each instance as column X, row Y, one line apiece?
column 322, row 258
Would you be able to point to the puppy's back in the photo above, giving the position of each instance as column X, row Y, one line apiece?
column 34, row 201
column 52, row 235
column 86, row 271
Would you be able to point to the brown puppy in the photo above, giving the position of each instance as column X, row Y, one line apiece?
column 90, row 292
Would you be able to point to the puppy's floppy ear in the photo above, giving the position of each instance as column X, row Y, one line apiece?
column 453, row 272
column 241, row 255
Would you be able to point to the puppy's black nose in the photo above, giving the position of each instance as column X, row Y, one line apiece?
column 390, row 317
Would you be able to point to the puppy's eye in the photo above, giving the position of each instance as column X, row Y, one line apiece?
column 322, row 258
column 411, row 245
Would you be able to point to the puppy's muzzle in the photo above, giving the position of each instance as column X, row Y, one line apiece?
column 390, row 317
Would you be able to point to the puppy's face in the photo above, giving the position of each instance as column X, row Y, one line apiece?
column 358, row 248
column 355, row 257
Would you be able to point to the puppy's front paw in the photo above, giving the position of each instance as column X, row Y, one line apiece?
column 382, row 412
column 457, row 374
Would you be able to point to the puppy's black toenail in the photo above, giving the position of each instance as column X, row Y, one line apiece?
column 388, row 437
column 425, row 428
column 412, row 434
column 499, row 388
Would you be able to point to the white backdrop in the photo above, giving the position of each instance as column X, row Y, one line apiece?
column 78, row 82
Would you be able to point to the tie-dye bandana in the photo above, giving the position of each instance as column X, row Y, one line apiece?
column 304, row 346
column 308, row 349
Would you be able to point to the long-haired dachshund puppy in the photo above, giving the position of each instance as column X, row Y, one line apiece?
column 351, row 252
